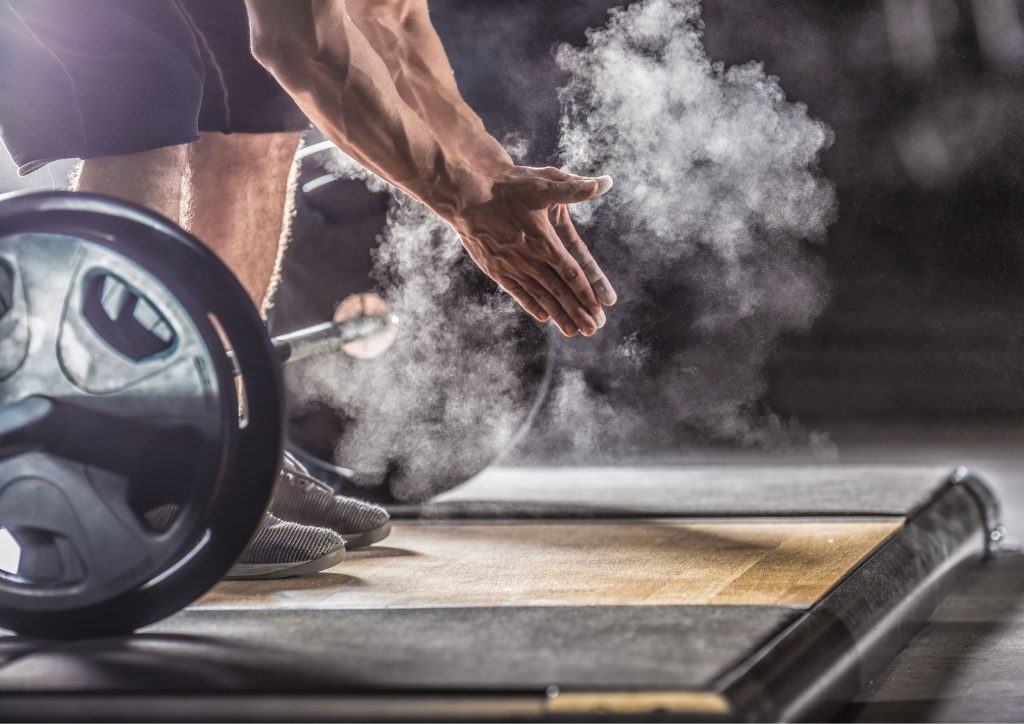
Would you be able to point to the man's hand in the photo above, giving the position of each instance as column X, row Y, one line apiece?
column 510, row 231
column 522, row 257
column 561, row 220
column 565, row 229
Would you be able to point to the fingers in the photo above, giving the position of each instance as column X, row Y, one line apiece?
column 549, row 272
column 558, row 314
column 573, row 275
column 554, row 282
column 573, row 243
column 545, row 296
column 526, row 300
column 575, row 190
column 605, row 183
column 555, row 174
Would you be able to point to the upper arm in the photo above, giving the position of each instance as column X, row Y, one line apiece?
column 390, row 11
column 284, row 35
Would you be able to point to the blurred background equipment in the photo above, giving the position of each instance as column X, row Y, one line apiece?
column 458, row 381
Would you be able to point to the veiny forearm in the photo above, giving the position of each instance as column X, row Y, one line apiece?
column 326, row 64
column 402, row 33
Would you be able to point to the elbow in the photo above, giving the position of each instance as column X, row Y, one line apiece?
column 293, row 61
column 263, row 48
column 274, row 50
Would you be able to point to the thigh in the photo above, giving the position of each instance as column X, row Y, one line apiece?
column 239, row 192
column 243, row 165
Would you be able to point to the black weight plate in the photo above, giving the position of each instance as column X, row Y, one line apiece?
column 462, row 379
column 135, row 486
column 398, row 452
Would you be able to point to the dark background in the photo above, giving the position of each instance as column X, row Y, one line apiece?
column 926, row 256
column 926, row 100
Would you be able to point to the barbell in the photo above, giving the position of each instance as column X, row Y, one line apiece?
column 129, row 480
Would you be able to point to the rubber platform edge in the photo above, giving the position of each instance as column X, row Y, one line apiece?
column 823, row 659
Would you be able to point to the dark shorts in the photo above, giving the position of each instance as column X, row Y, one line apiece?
column 85, row 78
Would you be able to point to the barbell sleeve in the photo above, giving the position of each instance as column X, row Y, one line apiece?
column 327, row 337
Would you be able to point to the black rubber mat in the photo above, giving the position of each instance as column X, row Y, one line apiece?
column 503, row 648
column 734, row 490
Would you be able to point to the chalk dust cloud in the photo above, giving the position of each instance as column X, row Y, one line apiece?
column 710, row 231
column 709, row 237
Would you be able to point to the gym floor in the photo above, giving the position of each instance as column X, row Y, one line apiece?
column 474, row 600
column 966, row 663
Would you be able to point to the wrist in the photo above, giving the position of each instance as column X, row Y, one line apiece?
column 454, row 188
column 487, row 156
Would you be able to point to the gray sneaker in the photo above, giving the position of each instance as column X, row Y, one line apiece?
column 161, row 517
column 301, row 498
column 281, row 549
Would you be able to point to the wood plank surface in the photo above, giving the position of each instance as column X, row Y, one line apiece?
column 754, row 562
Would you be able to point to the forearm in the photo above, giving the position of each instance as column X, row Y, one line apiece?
column 326, row 64
column 318, row 54
column 401, row 32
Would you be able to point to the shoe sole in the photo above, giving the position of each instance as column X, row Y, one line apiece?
column 368, row 538
column 270, row 571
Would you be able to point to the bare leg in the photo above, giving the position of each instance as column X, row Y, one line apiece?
column 150, row 178
column 239, row 201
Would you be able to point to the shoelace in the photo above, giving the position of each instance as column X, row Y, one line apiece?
column 296, row 474
column 306, row 483
column 293, row 462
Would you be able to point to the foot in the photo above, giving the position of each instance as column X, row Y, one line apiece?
column 281, row 549
column 301, row 498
